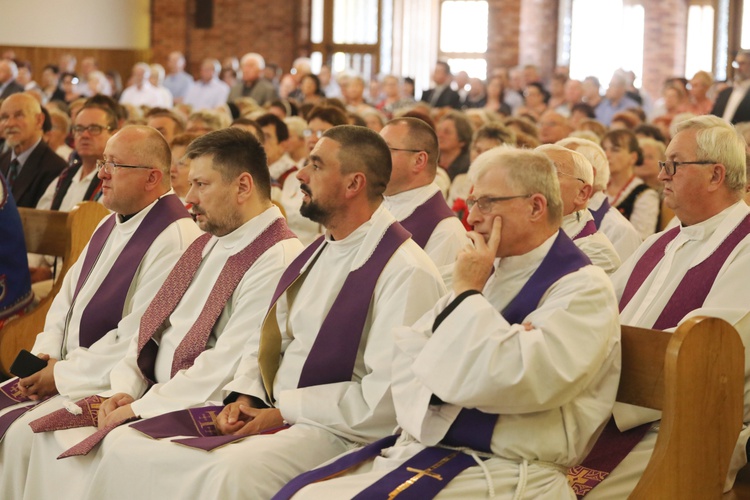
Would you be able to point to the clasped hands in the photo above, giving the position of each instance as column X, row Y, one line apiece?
column 241, row 419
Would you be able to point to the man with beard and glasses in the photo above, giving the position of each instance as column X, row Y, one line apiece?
column 189, row 344
column 322, row 370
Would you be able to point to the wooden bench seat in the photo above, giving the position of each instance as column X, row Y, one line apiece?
column 695, row 376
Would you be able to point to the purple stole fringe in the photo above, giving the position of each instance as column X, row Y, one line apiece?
column 104, row 310
column 425, row 218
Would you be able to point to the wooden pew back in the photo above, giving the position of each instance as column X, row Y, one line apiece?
column 48, row 232
column 696, row 377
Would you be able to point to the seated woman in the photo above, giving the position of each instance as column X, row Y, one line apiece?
column 627, row 192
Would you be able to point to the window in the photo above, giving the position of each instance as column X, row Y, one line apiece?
column 606, row 35
column 463, row 36
column 700, row 40
column 347, row 35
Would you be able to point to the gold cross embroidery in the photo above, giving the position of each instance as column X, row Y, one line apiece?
column 419, row 473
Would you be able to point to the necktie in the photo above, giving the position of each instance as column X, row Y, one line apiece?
column 13, row 172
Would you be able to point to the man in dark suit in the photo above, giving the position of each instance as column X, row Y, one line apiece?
column 8, row 83
column 29, row 165
column 733, row 103
column 442, row 95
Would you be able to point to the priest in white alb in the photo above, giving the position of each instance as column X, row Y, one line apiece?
column 413, row 197
column 576, row 176
column 96, row 313
column 510, row 378
column 698, row 268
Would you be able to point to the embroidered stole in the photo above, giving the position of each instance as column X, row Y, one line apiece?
column 588, row 229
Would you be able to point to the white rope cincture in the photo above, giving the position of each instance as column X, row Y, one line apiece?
column 487, row 476
column 523, row 472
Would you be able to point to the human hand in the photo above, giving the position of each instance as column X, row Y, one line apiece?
column 474, row 262
column 41, row 384
column 108, row 411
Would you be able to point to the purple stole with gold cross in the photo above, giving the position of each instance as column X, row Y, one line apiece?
column 613, row 446
column 425, row 218
column 430, row 470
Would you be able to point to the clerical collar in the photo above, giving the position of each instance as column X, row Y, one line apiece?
column 125, row 218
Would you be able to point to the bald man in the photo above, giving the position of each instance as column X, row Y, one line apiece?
column 29, row 165
column 94, row 316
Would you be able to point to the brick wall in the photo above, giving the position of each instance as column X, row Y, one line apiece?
column 538, row 35
column 664, row 44
column 504, row 34
column 277, row 29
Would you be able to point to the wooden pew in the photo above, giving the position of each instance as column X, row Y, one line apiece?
column 47, row 232
column 695, row 376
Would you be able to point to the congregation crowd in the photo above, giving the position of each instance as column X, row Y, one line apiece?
column 315, row 286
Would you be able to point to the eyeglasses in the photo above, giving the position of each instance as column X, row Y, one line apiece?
column 485, row 202
column 92, row 129
column 110, row 166
column 670, row 166
column 571, row 175
column 317, row 133
column 407, row 150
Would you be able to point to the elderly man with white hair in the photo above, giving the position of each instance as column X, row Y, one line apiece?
column 576, row 177
column 608, row 219
column 518, row 366
column 252, row 83
column 698, row 268
column 142, row 92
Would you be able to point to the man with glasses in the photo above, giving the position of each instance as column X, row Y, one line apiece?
column 576, row 176
column 97, row 311
column 94, row 125
column 733, row 103
column 413, row 197
column 673, row 275
column 29, row 165
column 508, row 379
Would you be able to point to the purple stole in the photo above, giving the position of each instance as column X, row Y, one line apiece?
column 104, row 310
column 334, row 352
column 694, row 286
column 425, row 218
column 613, row 446
column 473, row 428
column 600, row 212
column 430, row 470
column 588, row 229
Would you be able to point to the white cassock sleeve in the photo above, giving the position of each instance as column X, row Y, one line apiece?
column 476, row 359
